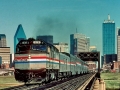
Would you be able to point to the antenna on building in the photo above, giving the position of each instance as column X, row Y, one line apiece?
column 108, row 17
column 76, row 30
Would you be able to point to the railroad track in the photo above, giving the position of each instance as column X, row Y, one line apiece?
column 78, row 83
column 73, row 83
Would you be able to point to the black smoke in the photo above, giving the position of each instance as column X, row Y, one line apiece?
column 59, row 26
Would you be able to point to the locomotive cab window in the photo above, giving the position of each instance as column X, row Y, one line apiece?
column 22, row 48
column 39, row 47
column 31, row 47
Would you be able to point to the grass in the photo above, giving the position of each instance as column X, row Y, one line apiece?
column 115, row 76
column 8, row 81
column 112, row 80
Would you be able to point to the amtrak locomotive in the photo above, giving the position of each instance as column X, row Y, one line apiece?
column 37, row 59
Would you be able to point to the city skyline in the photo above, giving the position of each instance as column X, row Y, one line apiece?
column 59, row 18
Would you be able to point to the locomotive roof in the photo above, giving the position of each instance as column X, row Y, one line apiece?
column 48, row 44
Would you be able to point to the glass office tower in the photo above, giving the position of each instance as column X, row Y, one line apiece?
column 19, row 35
column 108, row 36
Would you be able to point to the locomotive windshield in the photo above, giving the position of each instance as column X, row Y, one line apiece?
column 31, row 47
column 39, row 47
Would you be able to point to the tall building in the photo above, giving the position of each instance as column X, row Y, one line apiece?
column 102, row 61
column 5, row 55
column 62, row 47
column 19, row 35
column 87, row 43
column 108, row 36
column 3, row 40
column 108, row 40
column 93, row 49
column 79, row 43
column 47, row 38
column 109, row 58
column 11, row 60
column 118, row 45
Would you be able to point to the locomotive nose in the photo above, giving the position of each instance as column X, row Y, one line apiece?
column 29, row 56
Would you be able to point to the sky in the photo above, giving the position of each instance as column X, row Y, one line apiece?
column 59, row 18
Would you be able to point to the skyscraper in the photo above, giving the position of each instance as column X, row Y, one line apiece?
column 62, row 47
column 79, row 43
column 118, row 44
column 3, row 40
column 108, row 36
column 5, row 55
column 4, row 52
column 47, row 38
column 87, row 43
column 19, row 35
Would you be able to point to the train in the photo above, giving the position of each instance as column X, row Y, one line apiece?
column 38, row 60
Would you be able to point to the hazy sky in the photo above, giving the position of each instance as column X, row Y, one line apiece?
column 59, row 18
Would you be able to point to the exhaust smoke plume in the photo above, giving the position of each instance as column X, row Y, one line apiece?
column 59, row 27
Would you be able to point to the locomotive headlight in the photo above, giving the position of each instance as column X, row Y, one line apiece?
column 29, row 56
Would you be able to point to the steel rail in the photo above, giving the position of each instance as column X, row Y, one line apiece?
column 86, row 83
